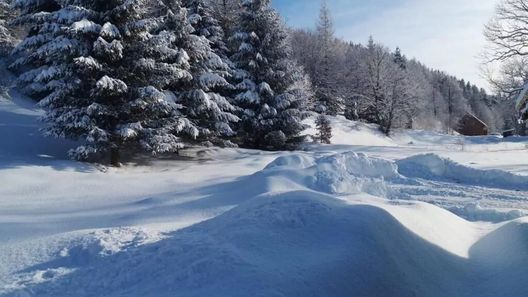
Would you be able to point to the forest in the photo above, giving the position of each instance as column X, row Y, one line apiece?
column 159, row 75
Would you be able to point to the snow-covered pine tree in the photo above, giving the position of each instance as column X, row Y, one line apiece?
column 226, row 12
column 325, row 86
column 272, row 104
column 399, row 59
column 7, row 35
column 205, row 99
column 43, row 44
column 201, row 17
column 104, row 65
column 324, row 129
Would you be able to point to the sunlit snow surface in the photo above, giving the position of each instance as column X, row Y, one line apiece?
column 417, row 214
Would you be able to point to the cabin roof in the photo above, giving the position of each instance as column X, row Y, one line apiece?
column 470, row 115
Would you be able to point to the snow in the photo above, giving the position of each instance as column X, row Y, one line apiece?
column 415, row 214
column 431, row 166
column 85, row 26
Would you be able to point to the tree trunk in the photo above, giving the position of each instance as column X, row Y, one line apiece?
column 114, row 157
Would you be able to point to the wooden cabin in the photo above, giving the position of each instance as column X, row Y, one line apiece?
column 470, row 125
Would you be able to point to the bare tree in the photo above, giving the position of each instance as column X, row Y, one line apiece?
column 507, row 34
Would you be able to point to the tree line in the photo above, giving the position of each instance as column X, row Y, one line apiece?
column 159, row 75
column 373, row 83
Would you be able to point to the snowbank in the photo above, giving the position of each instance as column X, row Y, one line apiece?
column 345, row 132
column 350, row 173
column 251, row 223
column 298, row 244
column 434, row 167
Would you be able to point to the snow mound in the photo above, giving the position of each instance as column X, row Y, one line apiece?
column 291, row 161
column 349, row 173
column 342, row 173
column 475, row 212
column 434, row 167
column 66, row 252
column 359, row 165
column 302, row 244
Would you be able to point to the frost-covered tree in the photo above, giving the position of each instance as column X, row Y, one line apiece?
column 507, row 35
column 325, row 87
column 201, row 16
column 399, row 59
column 7, row 34
column 324, row 129
column 268, row 90
column 47, row 44
column 227, row 13
column 388, row 95
column 105, row 68
column 206, row 98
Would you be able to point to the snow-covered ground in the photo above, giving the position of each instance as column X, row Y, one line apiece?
column 417, row 214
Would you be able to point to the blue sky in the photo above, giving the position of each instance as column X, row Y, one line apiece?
column 443, row 34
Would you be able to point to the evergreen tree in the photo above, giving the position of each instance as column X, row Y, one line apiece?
column 7, row 35
column 267, row 92
column 226, row 12
column 324, row 129
column 399, row 59
column 105, row 66
column 42, row 45
column 205, row 98
column 201, row 16
column 329, row 101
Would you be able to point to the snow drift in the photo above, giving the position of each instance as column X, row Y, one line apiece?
column 304, row 244
column 339, row 174
column 305, row 225
column 434, row 167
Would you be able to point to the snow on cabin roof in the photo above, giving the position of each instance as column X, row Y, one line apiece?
column 521, row 99
column 469, row 114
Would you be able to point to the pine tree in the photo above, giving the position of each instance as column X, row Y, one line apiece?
column 329, row 101
column 399, row 59
column 267, row 92
column 324, row 129
column 105, row 67
column 227, row 13
column 201, row 17
column 44, row 24
column 7, row 35
column 206, row 98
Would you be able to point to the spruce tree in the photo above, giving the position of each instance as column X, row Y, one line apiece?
column 201, row 17
column 324, row 129
column 206, row 97
column 272, row 105
column 399, row 59
column 329, row 100
column 7, row 35
column 105, row 67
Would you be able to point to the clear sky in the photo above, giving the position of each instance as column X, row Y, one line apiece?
column 443, row 34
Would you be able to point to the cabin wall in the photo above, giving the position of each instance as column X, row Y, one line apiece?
column 471, row 126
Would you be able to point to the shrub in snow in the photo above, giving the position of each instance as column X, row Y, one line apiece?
column 268, row 90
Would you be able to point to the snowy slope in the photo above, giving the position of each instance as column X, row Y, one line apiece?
column 417, row 214
column 290, row 238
